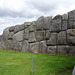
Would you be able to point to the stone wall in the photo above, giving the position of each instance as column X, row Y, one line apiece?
column 45, row 35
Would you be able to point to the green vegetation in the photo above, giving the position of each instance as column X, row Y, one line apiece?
column 20, row 63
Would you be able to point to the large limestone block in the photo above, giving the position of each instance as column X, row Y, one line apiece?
column 31, row 37
column 71, row 37
column 65, row 17
column 71, row 19
column 64, row 25
column 63, row 50
column 40, row 35
column 19, row 28
column 51, row 50
column 35, row 47
column 26, row 34
column 43, row 47
column 18, row 36
column 11, row 29
column 52, row 39
column 27, row 24
column 31, row 28
column 47, row 35
column 56, row 24
column 61, row 38
column 25, row 46
column 72, row 50
column 10, row 35
column 1, row 38
column 47, row 22
column 17, row 46
column 40, row 23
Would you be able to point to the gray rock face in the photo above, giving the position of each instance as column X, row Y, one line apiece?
column 11, row 29
column 25, row 46
column 40, row 23
column 71, row 37
column 43, row 47
column 65, row 17
column 63, row 50
column 35, row 47
column 32, row 38
column 40, row 35
column 47, row 35
column 18, row 36
column 47, row 23
column 52, row 40
column 1, row 38
column 19, row 28
column 71, row 19
column 26, row 34
column 72, row 51
column 64, row 25
column 10, row 35
column 73, row 73
column 61, row 38
column 27, row 24
column 51, row 50
column 56, row 24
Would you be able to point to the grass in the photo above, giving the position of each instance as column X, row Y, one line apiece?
column 20, row 63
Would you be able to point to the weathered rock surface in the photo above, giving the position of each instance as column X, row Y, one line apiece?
column 25, row 46
column 40, row 23
column 45, row 35
column 56, row 24
column 71, row 19
column 71, row 37
column 32, row 38
column 61, row 38
column 64, row 25
column 35, row 47
column 43, row 47
column 40, row 35
column 47, row 23
column 51, row 50
column 63, row 50
column 52, row 39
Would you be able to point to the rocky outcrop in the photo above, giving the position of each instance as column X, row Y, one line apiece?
column 45, row 35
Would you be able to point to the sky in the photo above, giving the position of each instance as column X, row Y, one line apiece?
column 15, row 12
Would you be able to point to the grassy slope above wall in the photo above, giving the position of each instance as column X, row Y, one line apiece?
column 19, row 63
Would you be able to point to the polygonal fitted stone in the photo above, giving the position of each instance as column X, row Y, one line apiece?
column 43, row 47
column 47, row 36
column 61, row 38
column 32, row 38
column 11, row 29
column 25, row 46
column 40, row 23
column 40, row 35
column 65, row 17
column 52, row 39
column 35, row 47
column 64, row 25
column 63, row 50
column 71, row 36
column 10, row 35
column 18, row 36
column 26, row 34
column 51, row 50
column 47, row 23
column 27, row 24
column 71, row 19
column 19, row 28
column 56, row 24
column 72, row 50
